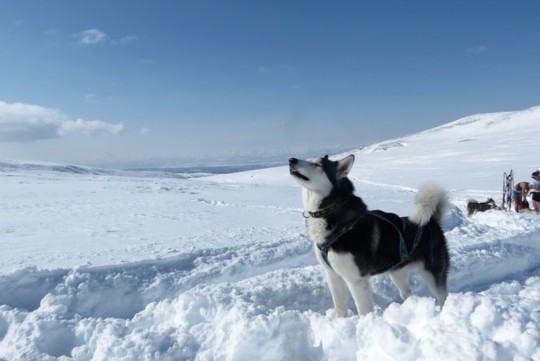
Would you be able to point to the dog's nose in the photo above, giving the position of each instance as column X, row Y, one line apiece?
column 293, row 160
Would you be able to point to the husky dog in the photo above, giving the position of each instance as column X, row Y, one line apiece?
column 353, row 244
column 474, row 206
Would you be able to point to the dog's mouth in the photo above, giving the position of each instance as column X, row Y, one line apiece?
column 297, row 174
column 293, row 165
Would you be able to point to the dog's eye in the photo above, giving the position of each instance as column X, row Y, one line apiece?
column 316, row 165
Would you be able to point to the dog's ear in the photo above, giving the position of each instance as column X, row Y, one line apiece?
column 345, row 165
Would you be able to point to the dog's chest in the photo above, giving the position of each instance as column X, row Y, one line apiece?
column 317, row 229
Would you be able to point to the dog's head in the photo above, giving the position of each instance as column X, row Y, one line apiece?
column 320, row 175
column 491, row 203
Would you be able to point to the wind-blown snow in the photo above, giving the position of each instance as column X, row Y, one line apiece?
column 100, row 265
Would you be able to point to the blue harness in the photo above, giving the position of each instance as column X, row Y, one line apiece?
column 404, row 253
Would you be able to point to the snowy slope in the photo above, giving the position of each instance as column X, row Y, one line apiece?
column 99, row 265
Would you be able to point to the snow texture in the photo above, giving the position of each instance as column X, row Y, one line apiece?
column 103, row 265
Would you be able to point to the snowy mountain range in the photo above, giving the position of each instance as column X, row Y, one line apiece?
column 118, row 265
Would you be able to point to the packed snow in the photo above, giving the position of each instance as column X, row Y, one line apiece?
column 112, row 265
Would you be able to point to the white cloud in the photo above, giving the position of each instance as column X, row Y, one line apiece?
column 147, row 61
column 96, row 36
column 21, row 122
column 92, row 37
column 89, row 127
column 90, row 98
column 263, row 70
column 478, row 49
column 128, row 39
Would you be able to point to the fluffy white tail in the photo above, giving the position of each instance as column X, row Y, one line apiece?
column 430, row 203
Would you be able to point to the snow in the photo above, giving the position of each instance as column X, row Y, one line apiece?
column 112, row 265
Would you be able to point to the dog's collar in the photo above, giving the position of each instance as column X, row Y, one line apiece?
column 325, row 211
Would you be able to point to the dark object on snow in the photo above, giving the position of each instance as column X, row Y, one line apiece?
column 474, row 206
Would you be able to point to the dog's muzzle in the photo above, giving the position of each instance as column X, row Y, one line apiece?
column 293, row 163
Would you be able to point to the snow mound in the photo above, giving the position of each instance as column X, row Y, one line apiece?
column 270, row 302
column 384, row 146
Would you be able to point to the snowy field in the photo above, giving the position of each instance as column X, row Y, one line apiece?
column 112, row 265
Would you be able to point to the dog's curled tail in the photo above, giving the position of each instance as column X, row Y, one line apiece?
column 431, row 202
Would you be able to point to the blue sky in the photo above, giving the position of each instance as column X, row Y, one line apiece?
column 164, row 82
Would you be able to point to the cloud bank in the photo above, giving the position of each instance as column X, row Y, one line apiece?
column 21, row 122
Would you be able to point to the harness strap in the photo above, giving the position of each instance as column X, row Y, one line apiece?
column 404, row 253
column 334, row 237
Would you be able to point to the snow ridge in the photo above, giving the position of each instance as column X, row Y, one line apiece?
column 238, row 302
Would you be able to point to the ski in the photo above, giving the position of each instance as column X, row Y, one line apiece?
column 508, row 185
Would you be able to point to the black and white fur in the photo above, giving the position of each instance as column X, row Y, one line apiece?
column 474, row 206
column 372, row 245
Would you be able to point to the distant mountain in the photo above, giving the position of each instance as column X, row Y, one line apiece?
column 12, row 166
column 482, row 146
column 504, row 126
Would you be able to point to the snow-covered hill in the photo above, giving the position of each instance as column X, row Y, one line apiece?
column 47, row 167
column 99, row 265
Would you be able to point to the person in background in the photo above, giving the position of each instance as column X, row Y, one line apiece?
column 535, row 190
column 519, row 193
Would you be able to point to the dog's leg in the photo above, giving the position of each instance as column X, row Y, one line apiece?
column 400, row 278
column 438, row 289
column 338, row 288
column 345, row 266
column 361, row 292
